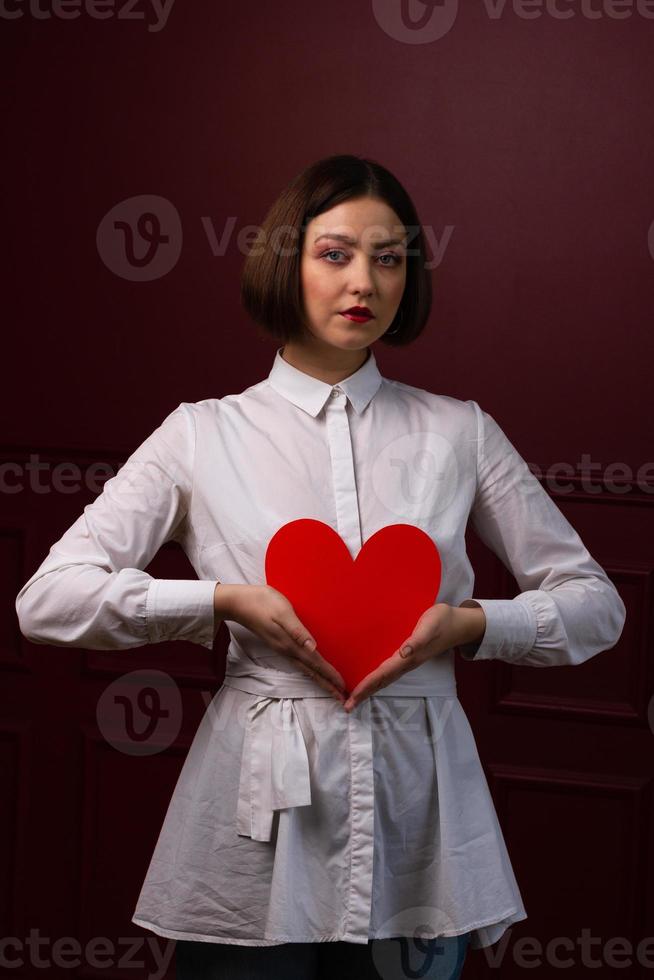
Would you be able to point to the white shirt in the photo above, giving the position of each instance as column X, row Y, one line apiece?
column 293, row 821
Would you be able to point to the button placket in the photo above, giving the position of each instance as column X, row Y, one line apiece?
column 343, row 474
column 356, row 921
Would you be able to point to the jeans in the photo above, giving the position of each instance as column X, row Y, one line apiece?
column 399, row 958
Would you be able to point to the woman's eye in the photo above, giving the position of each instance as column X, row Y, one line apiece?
column 387, row 255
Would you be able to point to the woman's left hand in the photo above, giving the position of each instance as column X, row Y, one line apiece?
column 439, row 628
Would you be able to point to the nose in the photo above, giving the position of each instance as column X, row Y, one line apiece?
column 361, row 279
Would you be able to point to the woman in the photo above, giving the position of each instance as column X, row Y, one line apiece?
column 312, row 829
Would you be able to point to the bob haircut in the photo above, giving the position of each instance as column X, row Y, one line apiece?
column 270, row 281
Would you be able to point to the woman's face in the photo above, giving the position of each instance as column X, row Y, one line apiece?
column 353, row 255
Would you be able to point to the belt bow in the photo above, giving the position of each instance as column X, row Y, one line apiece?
column 274, row 766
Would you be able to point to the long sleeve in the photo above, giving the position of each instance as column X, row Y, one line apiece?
column 568, row 610
column 91, row 590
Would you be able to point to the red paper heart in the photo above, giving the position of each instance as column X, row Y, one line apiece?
column 358, row 611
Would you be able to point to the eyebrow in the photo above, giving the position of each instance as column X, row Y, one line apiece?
column 352, row 241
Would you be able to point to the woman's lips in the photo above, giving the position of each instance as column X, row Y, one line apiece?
column 357, row 317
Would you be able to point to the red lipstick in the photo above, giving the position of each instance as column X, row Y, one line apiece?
column 359, row 314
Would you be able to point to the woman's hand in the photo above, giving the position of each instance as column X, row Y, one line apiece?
column 439, row 628
column 269, row 614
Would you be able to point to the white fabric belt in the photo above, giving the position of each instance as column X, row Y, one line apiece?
column 275, row 763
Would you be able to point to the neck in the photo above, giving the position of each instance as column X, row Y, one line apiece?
column 330, row 365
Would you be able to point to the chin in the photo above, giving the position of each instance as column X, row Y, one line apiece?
column 355, row 341
column 347, row 336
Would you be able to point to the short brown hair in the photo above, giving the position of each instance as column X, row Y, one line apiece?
column 270, row 281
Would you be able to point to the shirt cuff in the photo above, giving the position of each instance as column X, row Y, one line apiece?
column 511, row 630
column 181, row 609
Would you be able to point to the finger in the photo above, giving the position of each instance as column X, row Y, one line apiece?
column 322, row 668
column 306, row 646
column 395, row 666
column 365, row 689
column 326, row 669
column 297, row 631
column 392, row 668
column 287, row 638
column 323, row 682
column 369, row 685
column 304, row 662
column 316, row 662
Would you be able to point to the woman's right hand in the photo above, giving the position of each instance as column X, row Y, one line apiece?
column 269, row 614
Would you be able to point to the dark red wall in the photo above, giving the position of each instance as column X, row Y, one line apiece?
column 527, row 145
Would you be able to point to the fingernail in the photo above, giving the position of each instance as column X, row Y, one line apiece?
column 405, row 651
column 311, row 644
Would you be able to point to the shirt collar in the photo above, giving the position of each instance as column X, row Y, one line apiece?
column 310, row 393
